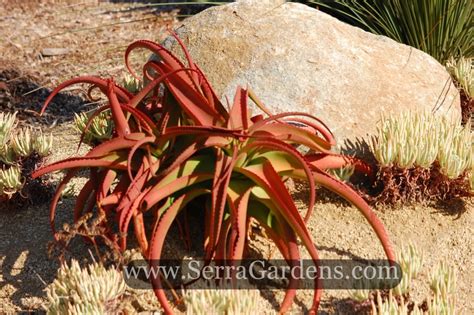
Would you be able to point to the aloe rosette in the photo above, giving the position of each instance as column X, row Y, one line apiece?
column 174, row 142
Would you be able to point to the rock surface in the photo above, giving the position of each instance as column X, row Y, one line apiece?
column 297, row 58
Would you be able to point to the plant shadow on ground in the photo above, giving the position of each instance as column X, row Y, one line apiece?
column 20, row 92
column 25, row 266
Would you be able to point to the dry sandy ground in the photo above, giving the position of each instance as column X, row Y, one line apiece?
column 97, row 33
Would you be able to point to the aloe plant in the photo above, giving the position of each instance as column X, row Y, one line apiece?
column 176, row 148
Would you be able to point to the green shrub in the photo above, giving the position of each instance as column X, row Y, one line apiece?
column 441, row 28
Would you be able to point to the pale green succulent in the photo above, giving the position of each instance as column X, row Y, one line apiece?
column 463, row 71
column 7, row 124
column 443, row 280
column 100, row 129
column 221, row 301
column 344, row 173
column 132, row 84
column 439, row 305
column 361, row 289
column 7, row 155
column 420, row 139
column 22, row 142
column 92, row 290
column 359, row 295
column 389, row 306
column 392, row 307
column 411, row 261
column 10, row 181
column 42, row 144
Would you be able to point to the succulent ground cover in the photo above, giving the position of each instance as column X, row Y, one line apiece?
column 180, row 149
column 422, row 157
column 442, row 283
column 21, row 151
column 462, row 71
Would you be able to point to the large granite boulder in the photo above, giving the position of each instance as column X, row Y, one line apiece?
column 297, row 58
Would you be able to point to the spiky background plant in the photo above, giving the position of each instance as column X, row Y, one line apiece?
column 91, row 290
column 422, row 157
column 441, row 28
column 21, row 151
column 175, row 148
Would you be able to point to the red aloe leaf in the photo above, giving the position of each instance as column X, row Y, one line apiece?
column 282, row 234
column 137, row 146
column 105, row 183
column 265, row 176
column 239, row 209
column 191, row 65
column 221, row 252
column 292, row 134
column 112, row 160
column 140, row 234
column 57, row 196
column 193, row 103
column 121, row 123
column 130, row 201
column 211, row 141
column 160, row 191
column 115, row 144
column 222, row 174
column 238, row 116
column 207, row 88
column 281, row 146
column 165, row 55
column 164, row 73
column 315, row 127
column 81, row 200
column 285, row 240
column 320, row 126
column 158, row 239
column 351, row 196
column 333, row 161
column 173, row 132
column 101, row 83
column 114, row 198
